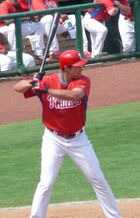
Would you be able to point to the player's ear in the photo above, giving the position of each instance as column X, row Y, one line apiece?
column 67, row 68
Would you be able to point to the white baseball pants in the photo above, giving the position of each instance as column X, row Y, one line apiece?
column 98, row 32
column 127, row 33
column 73, row 21
column 28, row 60
column 34, row 31
column 80, row 150
column 5, row 63
column 8, row 61
column 47, row 23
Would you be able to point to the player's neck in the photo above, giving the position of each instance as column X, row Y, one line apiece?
column 61, row 79
column 66, row 77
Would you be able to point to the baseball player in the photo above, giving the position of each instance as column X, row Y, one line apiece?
column 94, row 22
column 64, row 98
column 62, row 26
column 127, row 28
column 29, row 26
column 8, row 58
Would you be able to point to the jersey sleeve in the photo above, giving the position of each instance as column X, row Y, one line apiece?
column 124, row 2
column 28, row 93
column 39, row 5
column 84, row 84
column 4, row 8
column 108, row 4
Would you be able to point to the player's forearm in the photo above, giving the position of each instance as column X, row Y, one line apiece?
column 26, row 19
column 67, row 94
column 9, row 21
column 126, row 9
column 23, row 86
column 113, row 11
column 4, row 52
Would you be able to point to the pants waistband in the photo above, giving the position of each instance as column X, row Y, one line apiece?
column 126, row 18
column 129, row 19
column 66, row 136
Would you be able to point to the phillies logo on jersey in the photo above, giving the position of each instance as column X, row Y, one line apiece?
column 51, row 4
column 61, row 104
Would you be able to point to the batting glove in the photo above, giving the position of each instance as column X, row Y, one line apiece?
column 39, row 87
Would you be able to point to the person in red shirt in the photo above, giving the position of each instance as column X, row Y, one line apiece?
column 94, row 22
column 7, row 7
column 29, row 26
column 63, row 26
column 64, row 98
column 8, row 58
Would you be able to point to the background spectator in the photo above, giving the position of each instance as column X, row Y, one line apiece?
column 62, row 26
column 8, row 58
column 94, row 22
column 29, row 26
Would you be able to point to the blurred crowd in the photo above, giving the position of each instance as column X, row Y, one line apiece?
column 36, row 28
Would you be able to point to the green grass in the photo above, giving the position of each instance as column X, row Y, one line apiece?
column 115, row 135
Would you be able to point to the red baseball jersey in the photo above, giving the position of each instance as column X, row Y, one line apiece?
column 101, row 14
column 44, row 4
column 63, row 116
column 7, row 7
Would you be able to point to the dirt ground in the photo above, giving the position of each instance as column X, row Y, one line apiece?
column 111, row 84
column 128, row 210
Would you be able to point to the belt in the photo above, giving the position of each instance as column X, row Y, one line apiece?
column 131, row 19
column 66, row 136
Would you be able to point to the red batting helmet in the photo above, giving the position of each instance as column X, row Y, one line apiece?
column 71, row 58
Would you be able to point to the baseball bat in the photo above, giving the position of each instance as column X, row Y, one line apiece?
column 49, row 41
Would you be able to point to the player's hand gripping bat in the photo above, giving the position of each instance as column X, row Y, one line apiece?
column 40, row 74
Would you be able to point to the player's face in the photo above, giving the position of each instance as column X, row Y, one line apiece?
column 71, row 73
column 75, row 72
